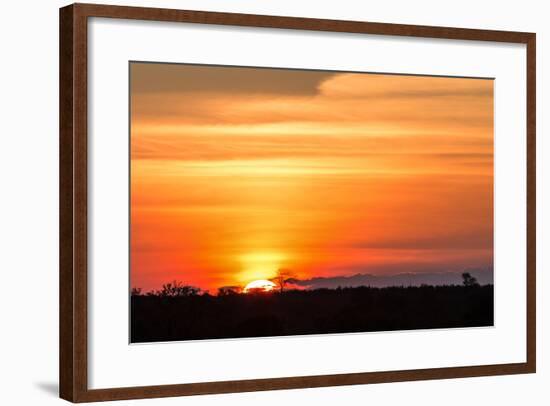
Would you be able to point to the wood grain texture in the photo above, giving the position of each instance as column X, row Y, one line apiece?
column 80, row 199
column 73, row 201
column 66, row 130
column 205, row 388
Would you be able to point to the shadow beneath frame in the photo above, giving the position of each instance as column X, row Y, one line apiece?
column 51, row 388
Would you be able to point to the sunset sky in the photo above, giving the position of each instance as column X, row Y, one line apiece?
column 236, row 172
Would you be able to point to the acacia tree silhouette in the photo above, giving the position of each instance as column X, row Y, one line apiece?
column 468, row 280
column 281, row 278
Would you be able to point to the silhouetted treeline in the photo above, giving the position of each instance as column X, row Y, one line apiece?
column 193, row 316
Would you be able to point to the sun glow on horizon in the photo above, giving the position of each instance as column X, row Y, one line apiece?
column 260, row 265
column 261, row 285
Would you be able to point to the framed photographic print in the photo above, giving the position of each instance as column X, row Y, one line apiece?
column 357, row 196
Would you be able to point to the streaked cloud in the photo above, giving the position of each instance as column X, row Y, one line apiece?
column 327, row 174
column 178, row 79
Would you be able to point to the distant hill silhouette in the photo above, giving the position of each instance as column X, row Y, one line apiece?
column 483, row 276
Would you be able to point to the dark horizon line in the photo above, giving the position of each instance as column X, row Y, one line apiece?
column 378, row 281
column 201, row 292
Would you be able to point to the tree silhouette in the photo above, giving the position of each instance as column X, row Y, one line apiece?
column 468, row 280
column 281, row 278
column 177, row 289
column 136, row 292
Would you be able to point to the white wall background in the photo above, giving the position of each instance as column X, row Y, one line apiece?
column 29, row 194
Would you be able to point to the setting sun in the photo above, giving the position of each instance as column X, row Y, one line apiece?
column 260, row 285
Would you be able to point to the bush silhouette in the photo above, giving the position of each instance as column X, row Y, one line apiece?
column 177, row 289
column 228, row 290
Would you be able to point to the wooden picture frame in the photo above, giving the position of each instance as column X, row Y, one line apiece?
column 74, row 201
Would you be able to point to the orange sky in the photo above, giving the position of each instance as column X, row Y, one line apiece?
column 236, row 172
